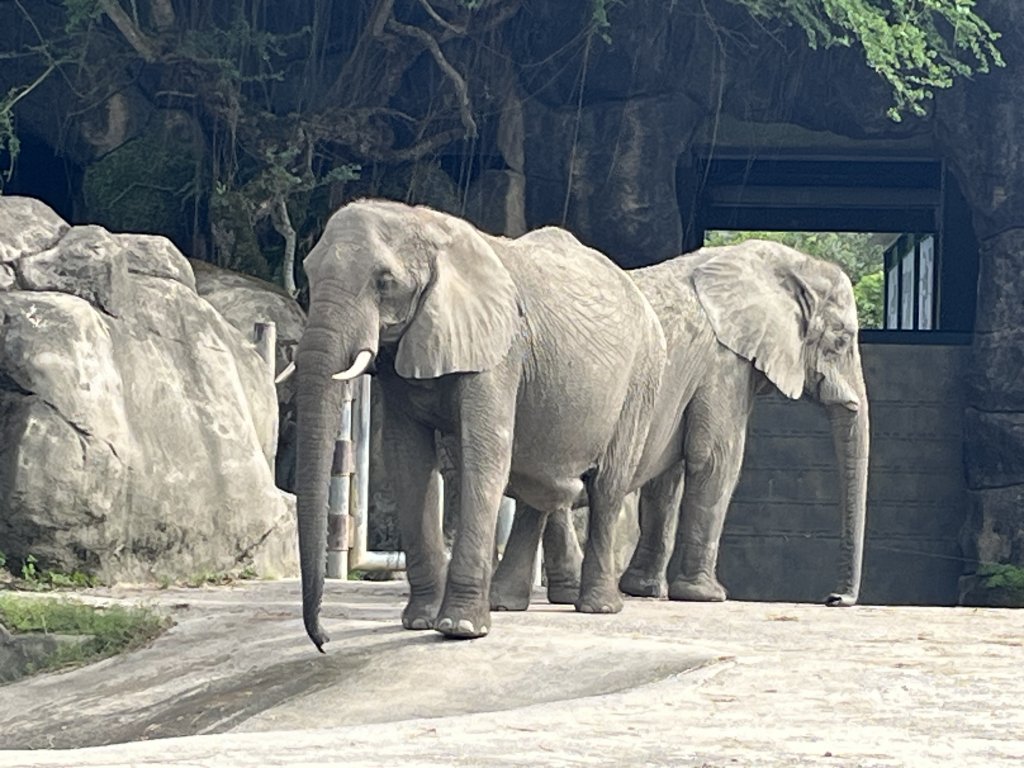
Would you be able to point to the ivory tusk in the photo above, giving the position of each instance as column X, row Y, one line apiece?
column 362, row 362
column 286, row 373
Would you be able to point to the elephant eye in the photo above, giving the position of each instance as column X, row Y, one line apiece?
column 385, row 282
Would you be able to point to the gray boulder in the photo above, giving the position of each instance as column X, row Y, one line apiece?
column 138, row 427
column 244, row 300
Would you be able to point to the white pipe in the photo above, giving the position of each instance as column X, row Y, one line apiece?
column 506, row 511
column 265, row 338
column 360, row 557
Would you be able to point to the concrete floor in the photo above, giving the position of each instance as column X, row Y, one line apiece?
column 236, row 682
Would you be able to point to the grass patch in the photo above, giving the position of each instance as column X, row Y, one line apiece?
column 108, row 630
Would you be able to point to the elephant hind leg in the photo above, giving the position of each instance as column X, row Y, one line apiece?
column 659, row 511
column 512, row 585
column 562, row 558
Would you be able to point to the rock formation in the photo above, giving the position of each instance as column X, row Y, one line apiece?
column 137, row 426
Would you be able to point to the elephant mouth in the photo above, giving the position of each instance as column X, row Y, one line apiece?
column 830, row 392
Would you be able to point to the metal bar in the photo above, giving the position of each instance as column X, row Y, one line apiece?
column 338, row 500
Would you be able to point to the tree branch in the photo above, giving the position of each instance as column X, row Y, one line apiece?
column 437, row 17
column 142, row 44
column 283, row 224
column 416, row 151
column 465, row 113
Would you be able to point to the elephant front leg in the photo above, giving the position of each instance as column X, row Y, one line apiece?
column 659, row 510
column 486, row 421
column 714, row 455
column 410, row 459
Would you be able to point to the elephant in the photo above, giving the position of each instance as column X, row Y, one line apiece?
column 535, row 360
column 738, row 320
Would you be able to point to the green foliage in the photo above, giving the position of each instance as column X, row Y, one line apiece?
column 80, row 14
column 108, row 630
column 599, row 21
column 220, row 578
column 860, row 254
column 9, row 144
column 1003, row 576
column 869, row 292
column 34, row 578
column 917, row 46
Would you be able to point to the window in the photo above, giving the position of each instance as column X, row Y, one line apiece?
column 924, row 278
column 910, row 283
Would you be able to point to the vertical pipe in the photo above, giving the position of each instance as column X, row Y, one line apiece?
column 265, row 337
column 359, row 504
column 338, row 500
column 506, row 511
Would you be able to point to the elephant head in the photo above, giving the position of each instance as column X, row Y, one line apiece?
column 430, row 289
column 794, row 317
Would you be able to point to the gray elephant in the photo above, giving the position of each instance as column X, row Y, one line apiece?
column 536, row 359
column 738, row 320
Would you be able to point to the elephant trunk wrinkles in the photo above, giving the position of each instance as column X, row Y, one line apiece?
column 318, row 402
column 850, row 433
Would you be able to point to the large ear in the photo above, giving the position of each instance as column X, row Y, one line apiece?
column 759, row 307
column 469, row 313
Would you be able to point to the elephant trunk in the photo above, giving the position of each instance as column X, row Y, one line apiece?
column 850, row 433
column 337, row 331
column 318, row 403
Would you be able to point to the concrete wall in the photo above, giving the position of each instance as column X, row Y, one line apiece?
column 781, row 537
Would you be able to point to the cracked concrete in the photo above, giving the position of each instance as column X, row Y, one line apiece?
column 236, row 682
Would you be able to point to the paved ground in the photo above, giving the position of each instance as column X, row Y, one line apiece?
column 235, row 682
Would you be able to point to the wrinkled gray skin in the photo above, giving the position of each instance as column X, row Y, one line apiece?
column 536, row 359
column 738, row 320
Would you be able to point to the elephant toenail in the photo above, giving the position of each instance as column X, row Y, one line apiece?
column 420, row 624
column 445, row 624
column 465, row 625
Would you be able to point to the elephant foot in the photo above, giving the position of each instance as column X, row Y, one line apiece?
column 420, row 613
column 563, row 593
column 840, row 600
column 599, row 601
column 463, row 623
column 702, row 590
column 505, row 597
column 639, row 584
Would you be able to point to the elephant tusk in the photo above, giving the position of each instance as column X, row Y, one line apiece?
column 286, row 373
column 362, row 362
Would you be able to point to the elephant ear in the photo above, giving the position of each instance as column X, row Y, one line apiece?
column 468, row 314
column 759, row 307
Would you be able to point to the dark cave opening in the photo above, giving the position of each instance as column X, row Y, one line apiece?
column 40, row 173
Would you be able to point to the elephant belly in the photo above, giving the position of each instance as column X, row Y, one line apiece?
column 545, row 493
column 554, row 447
